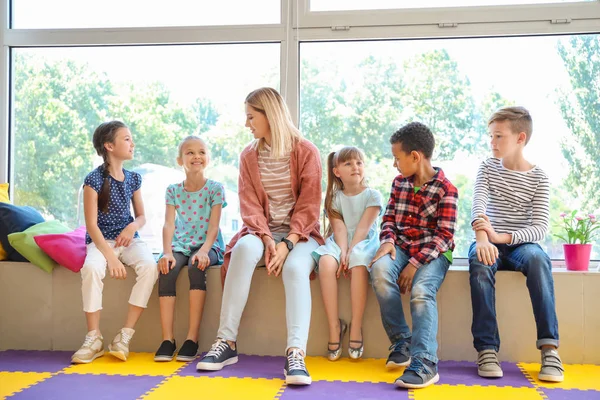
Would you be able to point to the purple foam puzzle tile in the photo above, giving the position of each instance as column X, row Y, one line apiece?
column 571, row 394
column 322, row 390
column 268, row 367
column 90, row 387
column 34, row 360
column 465, row 373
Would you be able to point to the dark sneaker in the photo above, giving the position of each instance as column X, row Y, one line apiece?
column 188, row 351
column 399, row 355
column 552, row 369
column 165, row 351
column 421, row 373
column 219, row 356
column 295, row 370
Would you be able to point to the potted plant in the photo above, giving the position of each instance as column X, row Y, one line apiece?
column 579, row 233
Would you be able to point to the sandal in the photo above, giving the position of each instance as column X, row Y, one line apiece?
column 334, row 355
column 356, row 352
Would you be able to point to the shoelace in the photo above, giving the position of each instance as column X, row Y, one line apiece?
column 125, row 337
column 401, row 347
column 217, row 348
column 416, row 365
column 88, row 341
column 295, row 360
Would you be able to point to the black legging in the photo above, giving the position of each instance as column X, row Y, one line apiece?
column 167, row 282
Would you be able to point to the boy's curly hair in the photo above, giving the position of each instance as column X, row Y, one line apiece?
column 415, row 136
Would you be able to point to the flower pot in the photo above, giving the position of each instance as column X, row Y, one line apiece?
column 577, row 256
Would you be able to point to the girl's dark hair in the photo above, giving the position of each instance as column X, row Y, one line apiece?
column 334, row 183
column 105, row 133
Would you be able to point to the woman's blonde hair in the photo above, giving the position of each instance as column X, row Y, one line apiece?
column 335, row 184
column 284, row 135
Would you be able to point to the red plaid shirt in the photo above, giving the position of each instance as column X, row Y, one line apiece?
column 422, row 223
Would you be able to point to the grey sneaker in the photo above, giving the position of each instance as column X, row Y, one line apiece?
column 488, row 365
column 92, row 348
column 120, row 345
column 421, row 373
column 552, row 369
column 399, row 355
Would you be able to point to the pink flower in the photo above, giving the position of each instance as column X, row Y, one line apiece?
column 579, row 218
column 592, row 217
column 562, row 215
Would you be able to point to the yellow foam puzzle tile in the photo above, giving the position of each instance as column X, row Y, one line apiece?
column 346, row 370
column 577, row 376
column 13, row 382
column 138, row 364
column 191, row 387
column 463, row 392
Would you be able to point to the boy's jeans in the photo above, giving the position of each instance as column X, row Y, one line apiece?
column 534, row 263
column 423, row 304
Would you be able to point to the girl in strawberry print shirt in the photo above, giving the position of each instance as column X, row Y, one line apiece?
column 191, row 236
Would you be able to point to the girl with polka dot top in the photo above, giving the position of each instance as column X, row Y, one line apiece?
column 191, row 237
column 112, row 240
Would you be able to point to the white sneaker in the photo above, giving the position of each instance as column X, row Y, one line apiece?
column 120, row 345
column 92, row 348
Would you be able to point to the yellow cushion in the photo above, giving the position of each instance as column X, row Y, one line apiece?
column 3, row 199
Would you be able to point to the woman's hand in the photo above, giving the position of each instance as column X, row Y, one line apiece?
column 276, row 261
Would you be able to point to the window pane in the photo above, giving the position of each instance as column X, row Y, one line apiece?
column 346, row 5
column 359, row 93
column 163, row 93
column 43, row 14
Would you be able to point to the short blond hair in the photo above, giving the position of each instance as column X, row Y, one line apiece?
column 284, row 134
column 518, row 117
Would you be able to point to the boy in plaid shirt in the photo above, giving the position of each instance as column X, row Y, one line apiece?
column 415, row 253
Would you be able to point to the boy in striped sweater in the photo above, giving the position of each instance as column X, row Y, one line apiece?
column 510, row 215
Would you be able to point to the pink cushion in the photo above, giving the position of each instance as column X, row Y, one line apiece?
column 67, row 249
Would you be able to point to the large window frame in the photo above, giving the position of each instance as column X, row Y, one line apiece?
column 299, row 24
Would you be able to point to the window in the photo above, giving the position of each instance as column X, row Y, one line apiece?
column 42, row 14
column 163, row 93
column 359, row 93
column 347, row 5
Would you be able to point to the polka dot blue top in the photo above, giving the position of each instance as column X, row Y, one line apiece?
column 111, row 224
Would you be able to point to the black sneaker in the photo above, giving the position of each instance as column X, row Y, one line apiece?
column 165, row 351
column 421, row 373
column 295, row 370
column 188, row 351
column 399, row 355
column 219, row 356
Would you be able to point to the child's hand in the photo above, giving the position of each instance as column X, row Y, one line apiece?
column 487, row 253
column 124, row 238
column 166, row 263
column 406, row 278
column 386, row 248
column 482, row 223
column 342, row 266
column 201, row 257
column 116, row 269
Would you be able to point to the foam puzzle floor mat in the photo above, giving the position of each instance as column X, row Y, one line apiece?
column 49, row 375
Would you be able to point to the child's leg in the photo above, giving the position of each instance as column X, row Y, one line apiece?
column 483, row 300
column 535, row 264
column 167, row 294
column 359, row 283
column 328, row 266
column 92, row 275
column 197, row 295
column 423, row 308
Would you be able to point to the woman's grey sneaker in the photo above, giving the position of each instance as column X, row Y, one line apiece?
column 188, row 351
column 399, row 355
column 295, row 370
column 420, row 373
column 488, row 365
column 552, row 369
column 92, row 348
column 166, row 351
column 220, row 355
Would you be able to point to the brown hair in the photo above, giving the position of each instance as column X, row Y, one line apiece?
column 518, row 117
column 106, row 132
column 334, row 184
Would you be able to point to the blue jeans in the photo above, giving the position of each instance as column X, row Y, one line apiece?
column 423, row 302
column 534, row 263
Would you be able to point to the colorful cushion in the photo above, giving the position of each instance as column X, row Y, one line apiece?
column 16, row 219
column 67, row 249
column 24, row 243
column 3, row 199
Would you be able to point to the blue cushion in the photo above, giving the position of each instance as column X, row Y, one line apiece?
column 16, row 219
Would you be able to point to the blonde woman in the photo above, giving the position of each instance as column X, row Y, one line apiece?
column 280, row 197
